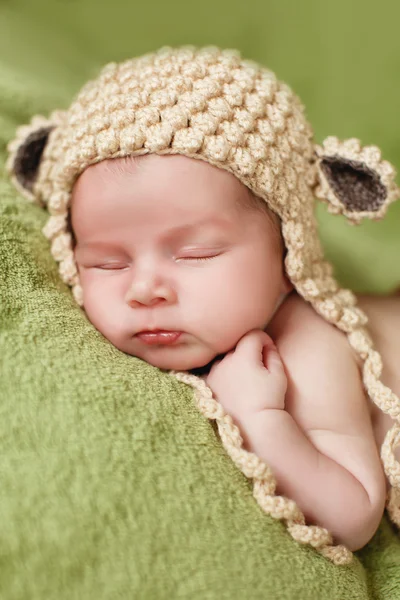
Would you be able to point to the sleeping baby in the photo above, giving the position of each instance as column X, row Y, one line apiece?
column 181, row 190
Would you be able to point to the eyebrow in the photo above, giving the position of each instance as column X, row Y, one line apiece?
column 179, row 230
column 204, row 222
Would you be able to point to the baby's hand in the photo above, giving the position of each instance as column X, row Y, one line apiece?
column 250, row 378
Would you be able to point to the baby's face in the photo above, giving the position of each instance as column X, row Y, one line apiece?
column 162, row 244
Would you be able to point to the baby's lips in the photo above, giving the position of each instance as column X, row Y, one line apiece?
column 158, row 337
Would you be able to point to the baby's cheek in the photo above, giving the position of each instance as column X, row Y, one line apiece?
column 242, row 298
column 101, row 310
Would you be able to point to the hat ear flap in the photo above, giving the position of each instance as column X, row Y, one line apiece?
column 26, row 150
column 354, row 180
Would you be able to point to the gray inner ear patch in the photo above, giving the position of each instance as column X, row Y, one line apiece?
column 28, row 157
column 358, row 187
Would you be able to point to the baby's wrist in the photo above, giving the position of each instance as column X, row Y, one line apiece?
column 253, row 409
column 254, row 425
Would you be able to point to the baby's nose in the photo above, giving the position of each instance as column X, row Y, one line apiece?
column 149, row 293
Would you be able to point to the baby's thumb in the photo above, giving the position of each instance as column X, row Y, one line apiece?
column 271, row 358
column 251, row 345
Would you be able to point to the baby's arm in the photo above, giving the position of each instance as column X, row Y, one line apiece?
column 332, row 470
column 328, row 494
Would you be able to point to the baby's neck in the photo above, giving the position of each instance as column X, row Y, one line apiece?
column 199, row 371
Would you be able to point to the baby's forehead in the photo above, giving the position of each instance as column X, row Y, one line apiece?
column 165, row 186
column 178, row 167
column 172, row 189
column 174, row 180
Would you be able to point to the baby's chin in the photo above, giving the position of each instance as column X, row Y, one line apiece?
column 169, row 359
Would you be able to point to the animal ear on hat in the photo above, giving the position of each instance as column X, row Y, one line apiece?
column 26, row 150
column 354, row 180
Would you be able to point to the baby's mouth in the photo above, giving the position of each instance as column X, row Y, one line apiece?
column 158, row 337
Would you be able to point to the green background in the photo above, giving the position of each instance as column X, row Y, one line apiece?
column 342, row 58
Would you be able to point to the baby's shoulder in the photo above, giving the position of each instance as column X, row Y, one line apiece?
column 319, row 361
column 297, row 323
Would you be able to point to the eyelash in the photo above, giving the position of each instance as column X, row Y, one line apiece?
column 199, row 257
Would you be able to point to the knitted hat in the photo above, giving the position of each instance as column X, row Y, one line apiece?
column 212, row 105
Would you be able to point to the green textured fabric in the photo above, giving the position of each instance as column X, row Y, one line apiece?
column 113, row 485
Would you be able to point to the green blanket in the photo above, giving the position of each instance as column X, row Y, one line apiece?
column 113, row 485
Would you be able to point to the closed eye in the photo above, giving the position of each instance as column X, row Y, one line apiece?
column 110, row 267
column 118, row 267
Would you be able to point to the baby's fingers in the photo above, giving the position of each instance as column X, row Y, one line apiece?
column 251, row 345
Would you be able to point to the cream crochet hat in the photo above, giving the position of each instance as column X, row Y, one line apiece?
column 212, row 105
